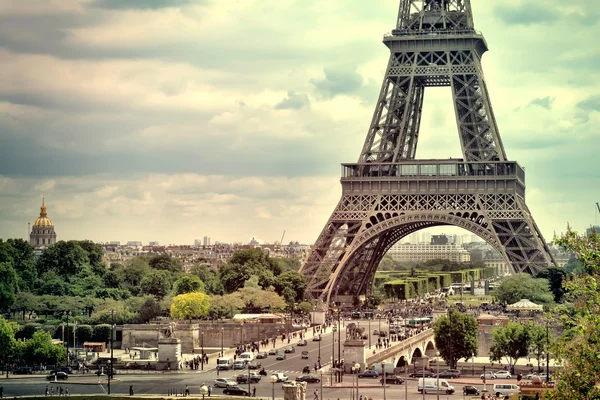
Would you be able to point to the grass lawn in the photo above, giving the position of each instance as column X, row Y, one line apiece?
column 469, row 300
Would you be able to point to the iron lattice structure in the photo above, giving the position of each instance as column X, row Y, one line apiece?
column 388, row 194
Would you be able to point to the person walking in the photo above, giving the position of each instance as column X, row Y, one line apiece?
column 187, row 390
column 66, row 391
column 1, row 392
column 131, row 390
column 254, row 391
column 47, row 392
column 316, row 394
column 209, row 390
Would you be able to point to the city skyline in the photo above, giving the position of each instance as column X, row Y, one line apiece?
column 168, row 123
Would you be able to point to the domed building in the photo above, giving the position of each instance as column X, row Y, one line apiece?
column 42, row 233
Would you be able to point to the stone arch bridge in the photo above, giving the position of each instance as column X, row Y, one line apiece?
column 407, row 351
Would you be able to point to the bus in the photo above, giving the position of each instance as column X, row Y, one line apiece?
column 355, row 315
column 416, row 322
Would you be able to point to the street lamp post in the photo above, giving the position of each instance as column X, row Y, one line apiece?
column 202, row 350
column 319, row 357
column 112, row 334
column 67, row 314
column 273, row 380
column 547, row 352
column 383, row 373
column 340, row 375
column 423, row 376
column 321, row 372
column 353, row 369
column 369, row 333
column 357, row 368
column 437, row 354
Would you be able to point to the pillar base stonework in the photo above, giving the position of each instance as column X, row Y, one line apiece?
column 169, row 354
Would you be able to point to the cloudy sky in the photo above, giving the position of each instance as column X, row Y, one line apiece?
column 169, row 120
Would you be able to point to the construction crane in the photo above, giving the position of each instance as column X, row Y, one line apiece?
column 597, row 205
column 282, row 236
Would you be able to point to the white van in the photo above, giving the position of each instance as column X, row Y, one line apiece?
column 506, row 389
column 224, row 363
column 248, row 356
column 431, row 385
column 240, row 364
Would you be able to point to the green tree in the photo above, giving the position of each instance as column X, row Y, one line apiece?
column 555, row 277
column 94, row 254
column 304, row 307
column 102, row 333
column 26, row 331
column 165, row 262
column 187, row 284
column 7, row 339
column 455, row 336
column 25, row 302
column 255, row 300
column 150, row 309
column 293, row 280
column 224, row 306
column 20, row 253
column 522, row 286
column 511, row 341
column 40, row 349
column 156, row 283
column 64, row 258
column 8, row 286
column 209, row 277
column 537, row 342
column 579, row 347
column 190, row 305
column 84, row 333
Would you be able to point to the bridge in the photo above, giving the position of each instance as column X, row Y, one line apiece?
column 406, row 351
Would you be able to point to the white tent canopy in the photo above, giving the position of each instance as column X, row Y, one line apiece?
column 524, row 305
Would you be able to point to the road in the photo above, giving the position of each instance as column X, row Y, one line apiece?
column 164, row 383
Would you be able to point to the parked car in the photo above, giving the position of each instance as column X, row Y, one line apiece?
column 503, row 375
column 254, row 364
column 392, row 379
column 23, row 371
column 456, row 372
column 543, row 376
column 280, row 356
column 376, row 332
column 470, row 390
column 261, row 355
column 530, row 376
column 316, row 338
column 273, row 352
column 289, row 349
column 422, row 374
column 280, row 377
column 305, row 355
column 288, row 384
column 307, row 379
column 236, row 391
column 302, row 343
column 448, row 374
column 59, row 375
column 369, row 374
column 224, row 383
column 488, row 375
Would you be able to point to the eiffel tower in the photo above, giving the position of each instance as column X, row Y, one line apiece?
column 388, row 194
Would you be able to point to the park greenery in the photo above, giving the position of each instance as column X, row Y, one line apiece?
column 69, row 281
column 578, row 347
column 455, row 336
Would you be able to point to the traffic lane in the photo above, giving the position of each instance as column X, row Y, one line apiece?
column 294, row 361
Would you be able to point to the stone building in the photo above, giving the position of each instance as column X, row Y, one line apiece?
column 42, row 233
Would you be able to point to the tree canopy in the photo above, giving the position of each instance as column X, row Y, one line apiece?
column 455, row 336
column 190, row 305
column 579, row 347
column 511, row 342
column 522, row 286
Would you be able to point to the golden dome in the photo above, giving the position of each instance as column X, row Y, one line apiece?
column 43, row 221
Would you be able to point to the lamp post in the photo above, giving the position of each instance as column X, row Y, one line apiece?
column 202, row 349
column 67, row 314
column 383, row 373
column 112, row 334
column 423, row 375
column 369, row 333
column 357, row 368
column 340, row 375
column 353, row 369
column 319, row 357
column 437, row 354
column 273, row 380
column 547, row 352
column 321, row 372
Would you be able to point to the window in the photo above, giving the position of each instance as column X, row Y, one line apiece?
column 409, row 170
column 428, row 170
column 448, row 170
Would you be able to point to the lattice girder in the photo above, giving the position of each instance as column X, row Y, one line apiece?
column 434, row 44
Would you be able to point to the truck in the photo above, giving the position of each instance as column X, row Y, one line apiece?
column 434, row 385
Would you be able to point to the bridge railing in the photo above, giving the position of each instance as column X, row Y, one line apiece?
column 399, row 346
